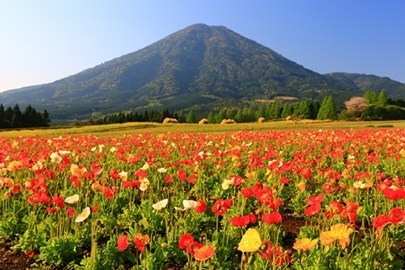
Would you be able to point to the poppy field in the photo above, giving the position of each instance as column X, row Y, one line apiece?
column 296, row 199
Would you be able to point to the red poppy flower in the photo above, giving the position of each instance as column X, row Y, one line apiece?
column 275, row 254
column 59, row 201
column 271, row 218
column 306, row 173
column 394, row 193
column 191, row 179
column 114, row 174
column 380, row 221
column 201, row 206
column 396, row 215
column 315, row 199
column 108, row 192
column 182, row 175
column 246, row 192
column 185, row 241
column 70, row 211
column 313, row 209
column 94, row 208
column 252, row 218
column 168, row 179
column 122, row 242
column 240, row 221
column 221, row 206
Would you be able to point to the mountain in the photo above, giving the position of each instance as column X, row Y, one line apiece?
column 200, row 67
column 374, row 83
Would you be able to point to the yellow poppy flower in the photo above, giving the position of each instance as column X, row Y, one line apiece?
column 250, row 241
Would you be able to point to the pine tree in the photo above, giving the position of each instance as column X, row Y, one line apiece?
column 239, row 116
column 371, row 97
column 327, row 109
column 2, row 113
column 230, row 114
column 260, row 112
column 302, row 109
column 277, row 110
column 191, row 118
column 382, row 99
column 16, row 120
column 182, row 117
column 221, row 115
column 286, row 110
column 211, row 118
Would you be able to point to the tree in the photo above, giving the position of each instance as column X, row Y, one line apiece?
column 327, row 109
column 356, row 106
column 230, row 114
column 261, row 112
column 221, row 115
column 314, row 109
column 371, row 97
column 382, row 99
column 286, row 110
column 182, row 117
column 277, row 110
column 302, row 109
column 16, row 120
column 191, row 118
column 211, row 118
column 239, row 116
column 2, row 113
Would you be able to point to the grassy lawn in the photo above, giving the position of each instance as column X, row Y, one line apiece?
column 157, row 128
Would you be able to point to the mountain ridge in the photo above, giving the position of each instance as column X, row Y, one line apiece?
column 198, row 66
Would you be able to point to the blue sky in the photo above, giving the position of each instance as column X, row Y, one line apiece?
column 43, row 41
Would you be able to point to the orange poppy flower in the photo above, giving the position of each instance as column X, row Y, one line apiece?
column 340, row 232
column 204, row 253
column 305, row 244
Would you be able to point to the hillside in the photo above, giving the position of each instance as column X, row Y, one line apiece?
column 374, row 83
column 200, row 67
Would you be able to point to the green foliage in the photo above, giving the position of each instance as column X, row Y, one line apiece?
column 60, row 251
column 382, row 99
column 327, row 109
column 14, row 118
column 302, row 109
column 191, row 118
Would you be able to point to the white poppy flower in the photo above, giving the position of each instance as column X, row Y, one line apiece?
column 55, row 158
column 226, row 184
column 145, row 166
column 189, row 204
column 83, row 215
column 72, row 199
column 144, row 185
column 123, row 175
column 162, row 170
column 161, row 204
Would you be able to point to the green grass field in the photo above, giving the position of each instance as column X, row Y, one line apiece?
column 157, row 128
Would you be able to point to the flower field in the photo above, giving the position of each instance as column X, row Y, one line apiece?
column 298, row 199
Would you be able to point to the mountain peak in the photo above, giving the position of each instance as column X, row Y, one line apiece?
column 201, row 67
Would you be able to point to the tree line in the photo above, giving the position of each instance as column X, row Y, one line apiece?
column 372, row 106
column 14, row 118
